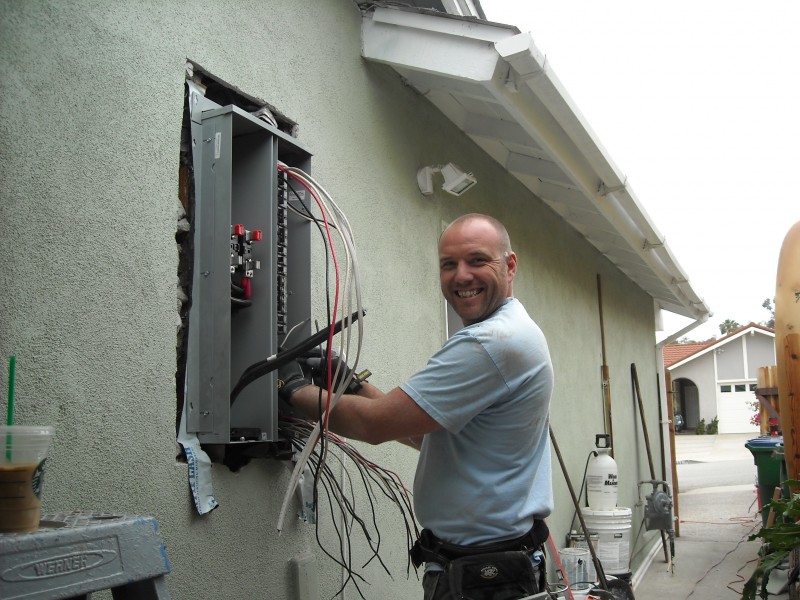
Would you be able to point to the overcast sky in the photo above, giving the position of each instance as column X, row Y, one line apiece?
column 698, row 104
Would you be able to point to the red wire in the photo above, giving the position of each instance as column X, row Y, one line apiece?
column 356, row 455
column 336, row 293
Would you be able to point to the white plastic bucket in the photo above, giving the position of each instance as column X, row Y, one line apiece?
column 559, row 591
column 613, row 529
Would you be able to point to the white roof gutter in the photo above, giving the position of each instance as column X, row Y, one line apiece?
column 592, row 170
column 564, row 165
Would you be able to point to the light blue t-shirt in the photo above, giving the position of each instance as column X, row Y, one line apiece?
column 486, row 475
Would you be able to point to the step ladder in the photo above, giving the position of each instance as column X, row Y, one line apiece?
column 77, row 553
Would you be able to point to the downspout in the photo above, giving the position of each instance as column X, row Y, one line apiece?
column 668, row 432
column 678, row 334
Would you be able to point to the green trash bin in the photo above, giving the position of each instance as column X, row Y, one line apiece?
column 780, row 456
column 768, row 466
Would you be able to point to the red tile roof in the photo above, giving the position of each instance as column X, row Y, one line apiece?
column 674, row 353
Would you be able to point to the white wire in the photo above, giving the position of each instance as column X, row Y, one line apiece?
column 352, row 285
column 345, row 233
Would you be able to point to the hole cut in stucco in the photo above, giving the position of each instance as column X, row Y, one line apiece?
column 217, row 91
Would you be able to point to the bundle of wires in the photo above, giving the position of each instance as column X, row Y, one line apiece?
column 271, row 363
column 346, row 298
column 375, row 480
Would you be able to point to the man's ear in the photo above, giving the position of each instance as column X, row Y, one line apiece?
column 511, row 264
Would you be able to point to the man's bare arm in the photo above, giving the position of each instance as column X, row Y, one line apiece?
column 371, row 416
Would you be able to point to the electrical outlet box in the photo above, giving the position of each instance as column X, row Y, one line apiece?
column 242, row 230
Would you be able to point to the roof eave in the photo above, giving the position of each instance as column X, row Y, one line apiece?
column 548, row 146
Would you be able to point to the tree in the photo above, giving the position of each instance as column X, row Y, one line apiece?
column 727, row 326
column 771, row 308
column 688, row 340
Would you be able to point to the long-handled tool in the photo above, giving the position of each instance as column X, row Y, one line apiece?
column 619, row 588
column 604, row 372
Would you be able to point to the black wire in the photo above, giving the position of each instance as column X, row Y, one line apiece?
column 263, row 367
column 370, row 494
column 329, row 480
column 367, row 474
column 325, row 240
column 371, row 476
column 307, row 214
column 585, row 470
column 346, row 507
column 387, row 483
column 240, row 302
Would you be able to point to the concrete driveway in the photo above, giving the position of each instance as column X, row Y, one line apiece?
column 718, row 512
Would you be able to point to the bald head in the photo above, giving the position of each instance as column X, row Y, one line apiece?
column 503, row 241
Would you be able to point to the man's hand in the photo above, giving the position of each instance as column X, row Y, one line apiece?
column 290, row 379
column 318, row 368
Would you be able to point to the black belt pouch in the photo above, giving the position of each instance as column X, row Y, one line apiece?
column 492, row 576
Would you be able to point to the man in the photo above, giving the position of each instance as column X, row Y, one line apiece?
column 479, row 413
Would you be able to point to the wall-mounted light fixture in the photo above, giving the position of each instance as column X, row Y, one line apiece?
column 456, row 181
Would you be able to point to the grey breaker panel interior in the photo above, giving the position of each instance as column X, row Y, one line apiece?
column 242, row 230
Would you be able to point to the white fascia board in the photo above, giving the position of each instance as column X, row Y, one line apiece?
column 416, row 19
column 745, row 332
column 458, row 47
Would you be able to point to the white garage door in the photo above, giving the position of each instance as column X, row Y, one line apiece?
column 734, row 408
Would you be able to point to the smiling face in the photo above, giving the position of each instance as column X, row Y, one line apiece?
column 476, row 268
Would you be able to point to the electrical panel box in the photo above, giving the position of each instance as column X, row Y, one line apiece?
column 244, row 237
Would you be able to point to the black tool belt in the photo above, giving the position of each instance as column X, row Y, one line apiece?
column 429, row 548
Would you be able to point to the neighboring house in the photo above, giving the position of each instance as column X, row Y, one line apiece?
column 98, row 145
column 717, row 379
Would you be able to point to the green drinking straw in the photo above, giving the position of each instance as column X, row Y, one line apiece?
column 12, row 371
